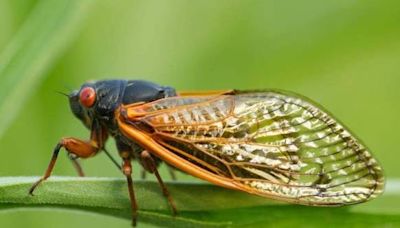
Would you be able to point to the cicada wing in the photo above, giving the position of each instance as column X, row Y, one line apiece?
column 268, row 143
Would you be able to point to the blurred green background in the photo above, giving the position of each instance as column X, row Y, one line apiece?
column 343, row 54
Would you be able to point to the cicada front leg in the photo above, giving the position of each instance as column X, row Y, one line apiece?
column 76, row 148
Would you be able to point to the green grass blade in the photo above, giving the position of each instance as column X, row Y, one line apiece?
column 199, row 205
column 43, row 37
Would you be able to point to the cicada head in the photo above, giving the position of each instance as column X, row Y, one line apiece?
column 98, row 100
column 78, row 110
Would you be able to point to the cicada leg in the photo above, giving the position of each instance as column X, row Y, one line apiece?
column 127, row 170
column 72, row 145
column 112, row 158
column 126, row 153
column 150, row 165
column 77, row 148
column 76, row 164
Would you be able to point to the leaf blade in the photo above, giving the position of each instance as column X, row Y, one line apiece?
column 199, row 205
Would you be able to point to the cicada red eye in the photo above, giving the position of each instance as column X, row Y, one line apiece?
column 87, row 97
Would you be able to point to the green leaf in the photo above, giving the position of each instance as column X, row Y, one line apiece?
column 199, row 205
column 46, row 33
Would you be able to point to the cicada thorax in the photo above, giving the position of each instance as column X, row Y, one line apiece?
column 111, row 94
column 279, row 145
column 129, row 93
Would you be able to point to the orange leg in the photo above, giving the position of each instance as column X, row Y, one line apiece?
column 74, row 146
column 150, row 165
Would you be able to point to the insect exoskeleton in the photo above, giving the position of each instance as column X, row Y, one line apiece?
column 270, row 143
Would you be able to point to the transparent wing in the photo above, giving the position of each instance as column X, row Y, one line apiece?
column 281, row 146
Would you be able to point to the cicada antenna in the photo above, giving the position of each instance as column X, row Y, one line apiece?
column 62, row 93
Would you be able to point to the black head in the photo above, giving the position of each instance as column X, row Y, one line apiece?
column 98, row 100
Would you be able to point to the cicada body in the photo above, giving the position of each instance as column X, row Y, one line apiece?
column 269, row 143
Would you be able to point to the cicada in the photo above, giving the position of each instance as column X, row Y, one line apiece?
column 274, row 144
